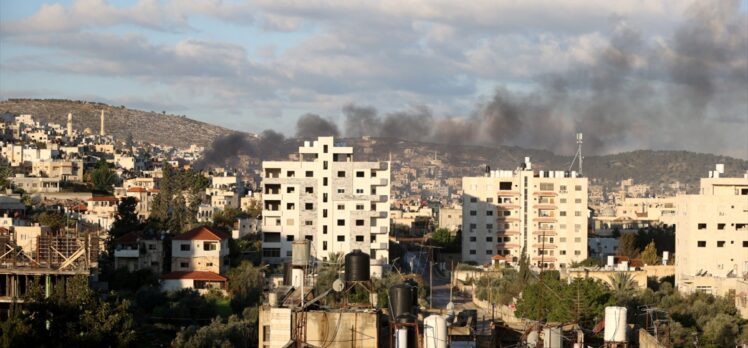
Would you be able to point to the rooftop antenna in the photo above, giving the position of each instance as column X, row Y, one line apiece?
column 578, row 154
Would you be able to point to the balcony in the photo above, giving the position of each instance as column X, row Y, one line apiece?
column 381, row 182
column 381, row 214
column 546, row 193
column 544, row 258
column 545, row 232
column 508, row 233
column 545, row 206
column 508, row 193
column 502, row 219
column 545, row 246
column 380, row 199
column 508, row 205
column 507, row 245
column 380, row 246
column 127, row 253
column 379, row 229
column 545, row 219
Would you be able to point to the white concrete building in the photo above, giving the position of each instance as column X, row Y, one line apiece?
column 711, row 235
column 327, row 197
column 541, row 212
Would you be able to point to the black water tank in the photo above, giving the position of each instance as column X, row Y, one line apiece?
column 413, row 294
column 357, row 266
column 401, row 300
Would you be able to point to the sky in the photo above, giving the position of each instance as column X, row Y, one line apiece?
column 630, row 74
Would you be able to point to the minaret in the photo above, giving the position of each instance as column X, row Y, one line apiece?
column 102, row 132
column 70, row 125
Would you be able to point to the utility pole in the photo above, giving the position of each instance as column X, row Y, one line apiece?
column 431, row 283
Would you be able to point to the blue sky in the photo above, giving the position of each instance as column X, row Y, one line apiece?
column 252, row 65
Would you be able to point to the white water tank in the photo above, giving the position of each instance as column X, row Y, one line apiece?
column 273, row 299
column 615, row 324
column 376, row 268
column 297, row 277
column 552, row 337
column 435, row 332
column 665, row 257
column 611, row 261
column 532, row 338
column 300, row 252
column 401, row 338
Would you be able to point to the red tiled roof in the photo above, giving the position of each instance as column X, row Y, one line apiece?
column 136, row 189
column 128, row 238
column 195, row 275
column 498, row 257
column 103, row 199
column 79, row 207
column 202, row 233
column 154, row 190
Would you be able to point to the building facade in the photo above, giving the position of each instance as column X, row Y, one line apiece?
column 711, row 236
column 543, row 213
column 326, row 197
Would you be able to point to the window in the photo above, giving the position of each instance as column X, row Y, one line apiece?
column 341, row 222
column 489, row 252
column 309, row 206
column 489, row 199
column 290, row 189
column 309, row 237
column 341, row 174
column 546, row 186
column 184, row 264
column 577, row 213
column 359, row 222
column 472, row 252
column 701, row 226
column 562, row 200
column 324, row 213
column 290, row 206
column 340, row 190
column 473, row 199
column 577, row 240
column 209, row 264
column 360, row 174
column 359, row 191
column 489, row 226
column 309, row 174
column 289, row 238
column 578, row 188
column 341, row 206
column 359, row 207
column 324, row 165
column 309, row 189
column 271, row 252
column 472, row 239
column 720, row 244
column 489, row 212
column 290, row 174
column 324, row 181
column 562, row 252
column 359, row 238
column 324, row 148
column 308, row 223
column 266, row 333
column 184, row 247
column 701, row 244
column 341, row 238
column 562, row 213
column 289, row 222
column 505, row 185
column 745, row 244
column 577, row 252
column 209, row 246
column 578, row 200
column 324, row 197
column 562, row 188
column 324, row 229
column 473, row 213
column 720, row 226
column 489, row 239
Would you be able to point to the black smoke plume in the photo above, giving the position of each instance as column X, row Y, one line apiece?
column 313, row 126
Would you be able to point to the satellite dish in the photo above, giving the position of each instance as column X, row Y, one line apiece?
column 338, row 285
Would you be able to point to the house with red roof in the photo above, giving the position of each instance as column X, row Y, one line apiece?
column 100, row 210
column 134, row 252
column 198, row 280
column 200, row 249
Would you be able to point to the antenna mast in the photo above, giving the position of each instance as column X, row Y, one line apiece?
column 578, row 154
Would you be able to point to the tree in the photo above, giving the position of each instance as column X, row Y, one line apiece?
column 245, row 285
column 649, row 255
column 627, row 245
column 127, row 219
column 54, row 220
column 235, row 332
column 622, row 284
column 103, row 177
column 5, row 173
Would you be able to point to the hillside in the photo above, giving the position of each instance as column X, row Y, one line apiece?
column 654, row 168
column 120, row 121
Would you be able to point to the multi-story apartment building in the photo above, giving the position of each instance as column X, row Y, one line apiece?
column 711, row 235
column 543, row 213
column 326, row 197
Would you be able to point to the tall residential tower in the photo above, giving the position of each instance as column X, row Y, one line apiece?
column 541, row 212
column 326, row 197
